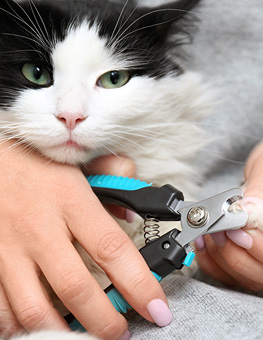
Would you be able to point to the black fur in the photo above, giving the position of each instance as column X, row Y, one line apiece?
column 141, row 35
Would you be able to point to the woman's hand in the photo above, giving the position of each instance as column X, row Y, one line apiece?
column 44, row 206
column 235, row 257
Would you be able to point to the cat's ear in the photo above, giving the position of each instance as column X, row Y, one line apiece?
column 159, row 20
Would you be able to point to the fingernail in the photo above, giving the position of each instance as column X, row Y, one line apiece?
column 126, row 335
column 129, row 216
column 160, row 312
column 200, row 244
column 219, row 239
column 241, row 238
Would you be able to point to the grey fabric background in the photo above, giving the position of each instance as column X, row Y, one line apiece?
column 203, row 312
column 228, row 50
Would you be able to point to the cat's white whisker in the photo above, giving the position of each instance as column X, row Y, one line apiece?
column 126, row 139
column 122, row 36
column 44, row 34
column 34, row 29
column 21, row 51
column 31, row 32
column 127, row 19
column 110, row 151
column 117, row 143
column 24, row 37
column 10, row 147
column 118, row 21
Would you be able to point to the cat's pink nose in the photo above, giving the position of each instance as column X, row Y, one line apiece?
column 71, row 119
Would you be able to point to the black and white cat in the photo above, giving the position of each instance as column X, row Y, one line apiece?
column 83, row 78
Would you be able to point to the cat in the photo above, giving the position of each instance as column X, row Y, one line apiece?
column 80, row 79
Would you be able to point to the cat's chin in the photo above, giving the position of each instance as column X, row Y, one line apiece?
column 69, row 154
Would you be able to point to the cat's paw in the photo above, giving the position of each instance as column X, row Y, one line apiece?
column 254, row 207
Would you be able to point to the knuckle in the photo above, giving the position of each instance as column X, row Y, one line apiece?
column 111, row 246
column 8, row 326
column 71, row 285
column 139, row 283
column 111, row 329
column 31, row 315
column 213, row 251
column 238, row 264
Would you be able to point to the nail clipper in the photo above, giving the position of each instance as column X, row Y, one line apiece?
column 173, row 250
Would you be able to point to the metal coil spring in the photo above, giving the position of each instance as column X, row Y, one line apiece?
column 151, row 228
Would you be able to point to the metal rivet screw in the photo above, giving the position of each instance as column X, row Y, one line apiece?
column 197, row 217
column 166, row 245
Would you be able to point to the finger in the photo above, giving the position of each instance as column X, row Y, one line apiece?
column 236, row 262
column 254, row 183
column 111, row 248
column 115, row 166
column 249, row 239
column 253, row 201
column 27, row 297
column 256, row 249
column 8, row 323
column 255, row 161
column 116, row 211
column 80, row 292
column 111, row 165
column 121, row 213
column 210, row 267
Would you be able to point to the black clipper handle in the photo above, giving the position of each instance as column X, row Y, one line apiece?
column 146, row 201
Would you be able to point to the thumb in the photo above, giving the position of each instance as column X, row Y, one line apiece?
column 115, row 166
column 254, row 174
column 253, row 189
column 252, row 202
column 111, row 165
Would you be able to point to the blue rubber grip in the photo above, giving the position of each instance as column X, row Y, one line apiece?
column 118, row 301
column 76, row 326
column 116, row 182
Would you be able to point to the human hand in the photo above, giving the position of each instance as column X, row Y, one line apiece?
column 235, row 257
column 44, row 206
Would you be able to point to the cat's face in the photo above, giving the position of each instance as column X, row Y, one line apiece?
column 72, row 84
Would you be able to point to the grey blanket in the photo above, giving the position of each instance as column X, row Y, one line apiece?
column 203, row 312
column 228, row 50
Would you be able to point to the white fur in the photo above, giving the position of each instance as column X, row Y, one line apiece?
column 153, row 121
column 162, row 113
column 55, row 335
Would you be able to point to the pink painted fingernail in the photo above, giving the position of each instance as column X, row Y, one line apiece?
column 159, row 312
column 129, row 216
column 220, row 239
column 241, row 238
column 126, row 335
column 200, row 244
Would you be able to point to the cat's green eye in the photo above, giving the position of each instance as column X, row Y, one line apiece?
column 114, row 79
column 36, row 74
